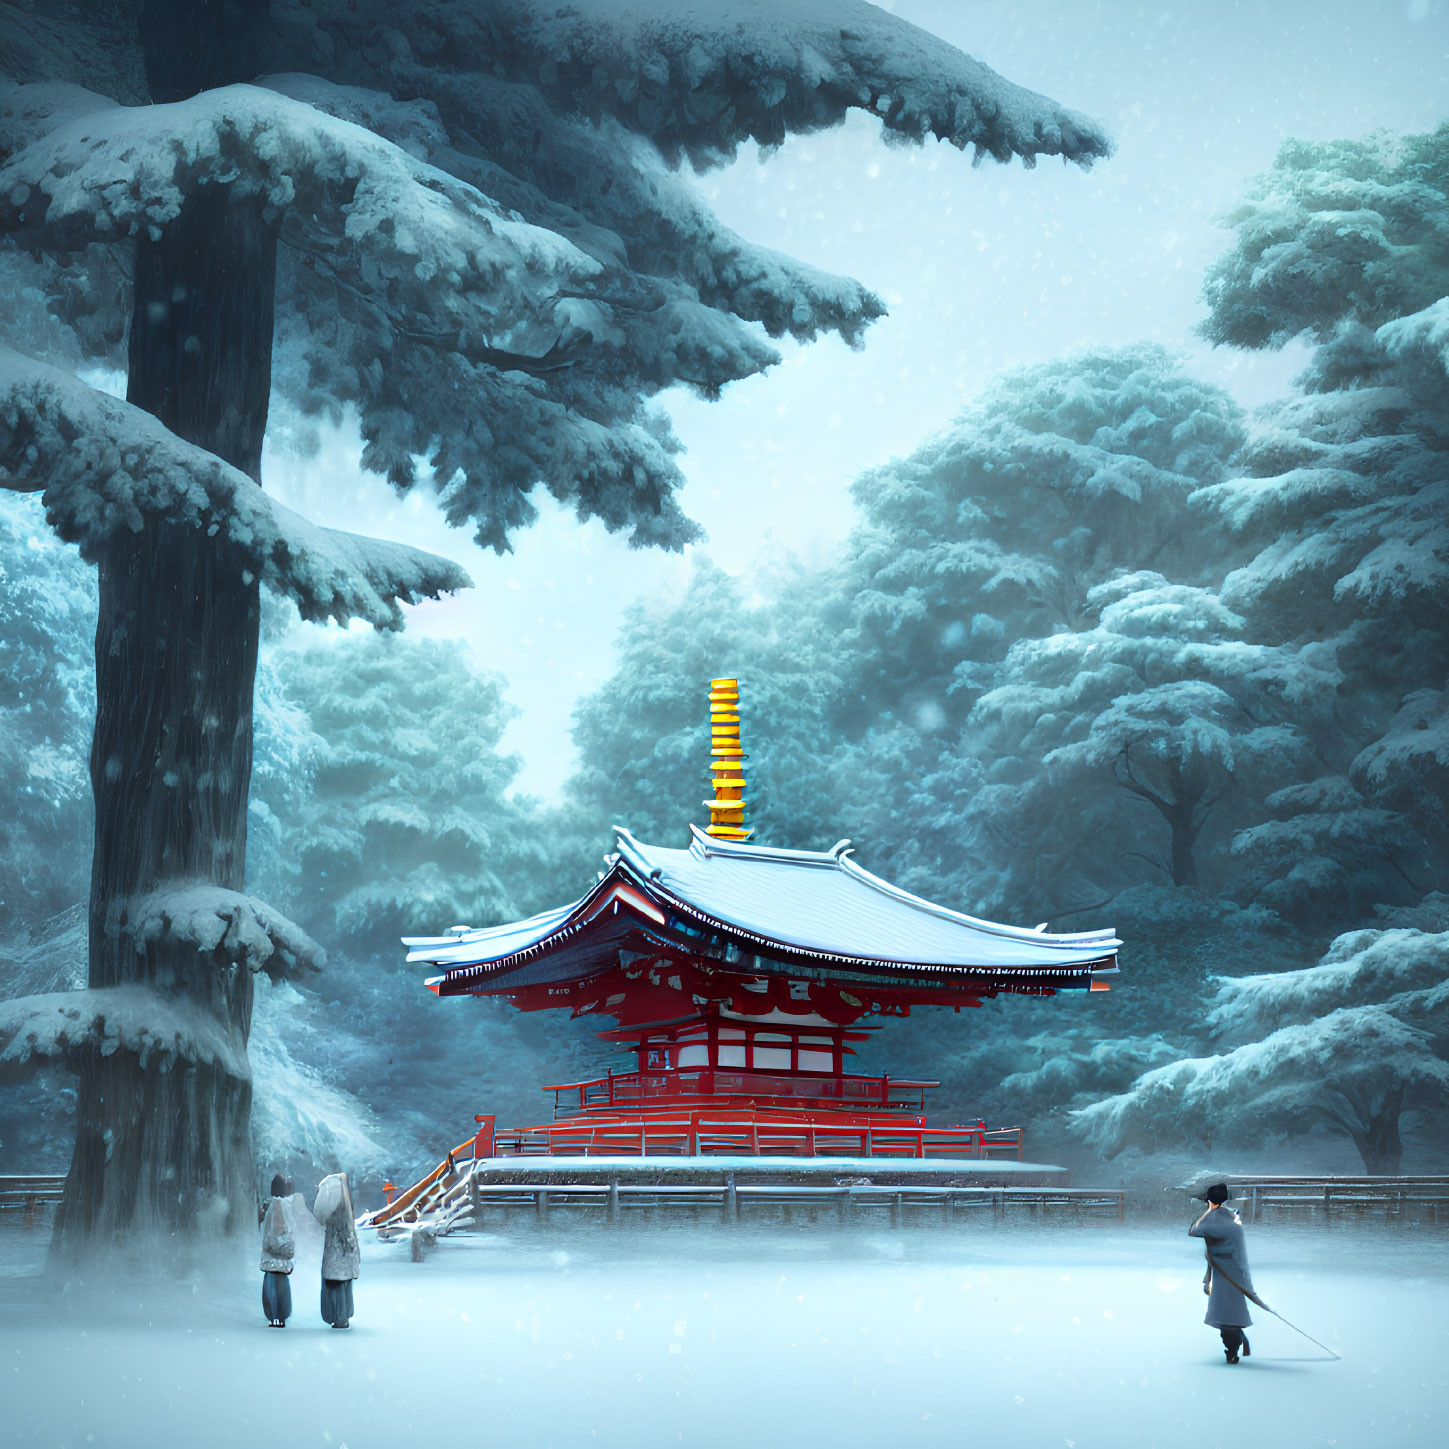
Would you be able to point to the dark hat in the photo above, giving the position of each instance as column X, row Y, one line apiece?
column 1217, row 1194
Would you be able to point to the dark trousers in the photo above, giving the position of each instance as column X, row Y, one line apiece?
column 336, row 1301
column 276, row 1297
column 1233, row 1339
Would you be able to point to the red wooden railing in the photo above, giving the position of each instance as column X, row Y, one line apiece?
column 688, row 1134
column 676, row 1088
column 712, row 1133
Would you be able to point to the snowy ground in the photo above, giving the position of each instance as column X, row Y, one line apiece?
column 1076, row 1336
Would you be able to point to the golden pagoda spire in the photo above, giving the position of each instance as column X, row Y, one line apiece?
column 727, row 761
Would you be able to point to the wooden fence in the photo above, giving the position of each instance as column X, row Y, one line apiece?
column 728, row 1202
column 31, row 1195
column 1417, row 1197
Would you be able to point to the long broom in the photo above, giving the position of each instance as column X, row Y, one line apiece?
column 1248, row 1293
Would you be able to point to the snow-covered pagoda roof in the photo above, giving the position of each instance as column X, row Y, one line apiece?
column 766, row 903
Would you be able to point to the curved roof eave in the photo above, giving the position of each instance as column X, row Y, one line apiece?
column 837, row 859
column 828, row 917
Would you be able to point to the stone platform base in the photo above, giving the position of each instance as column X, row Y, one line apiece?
column 769, row 1172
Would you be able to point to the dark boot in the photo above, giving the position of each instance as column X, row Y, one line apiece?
column 1247, row 1347
column 1232, row 1341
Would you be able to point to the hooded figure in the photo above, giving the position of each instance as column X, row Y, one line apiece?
column 279, row 1246
column 1227, row 1279
column 341, row 1257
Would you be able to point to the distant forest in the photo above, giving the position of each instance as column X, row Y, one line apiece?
column 1107, row 650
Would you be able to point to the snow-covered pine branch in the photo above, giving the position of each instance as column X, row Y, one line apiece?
column 106, row 468
column 1334, row 231
column 1357, row 1067
column 160, row 1028
column 647, row 224
column 440, row 247
column 1394, row 969
column 223, row 924
column 1411, row 758
column 29, row 112
column 700, row 76
column 455, row 326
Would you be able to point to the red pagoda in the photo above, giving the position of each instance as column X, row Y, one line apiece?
column 740, row 976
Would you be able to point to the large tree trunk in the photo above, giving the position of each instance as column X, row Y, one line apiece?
column 1184, row 841
column 1377, row 1134
column 176, row 653
column 1179, row 805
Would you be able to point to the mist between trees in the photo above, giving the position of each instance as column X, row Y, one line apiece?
column 1106, row 649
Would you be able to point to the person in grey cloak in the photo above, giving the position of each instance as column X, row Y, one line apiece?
column 279, row 1246
column 1227, row 1280
column 341, row 1257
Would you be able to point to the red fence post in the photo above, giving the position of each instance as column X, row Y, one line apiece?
column 483, row 1141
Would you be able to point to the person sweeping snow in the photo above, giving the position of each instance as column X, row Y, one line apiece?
column 341, row 1257
column 1227, row 1281
column 279, row 1247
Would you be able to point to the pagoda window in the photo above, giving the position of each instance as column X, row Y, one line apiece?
column 694, row 1054
column 731, row 1054
column 772, row 1051
column 817, row 1061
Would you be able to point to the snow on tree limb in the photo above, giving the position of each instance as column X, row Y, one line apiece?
column 1420, row 342
column 29, row 112
column 160, row 1028
column 1361, row 968
column 1334, row 231
column 1413, row 755
column 1334, row 1069
column 236, row 928
column 397, row 181
column 437, row 245
column 106, row 468
column 548, row 167
column 700, row 76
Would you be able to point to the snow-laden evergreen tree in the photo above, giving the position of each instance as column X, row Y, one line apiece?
column 458, row 219
column 1354, row 1041
column 1059, row 477
column 405, row 826
column 1127, row 739
column 1344, row 503
column 1341, row 506
column 979, row 566
column 47, row 703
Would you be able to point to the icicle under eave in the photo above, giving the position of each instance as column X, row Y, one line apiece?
column 727, row 762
